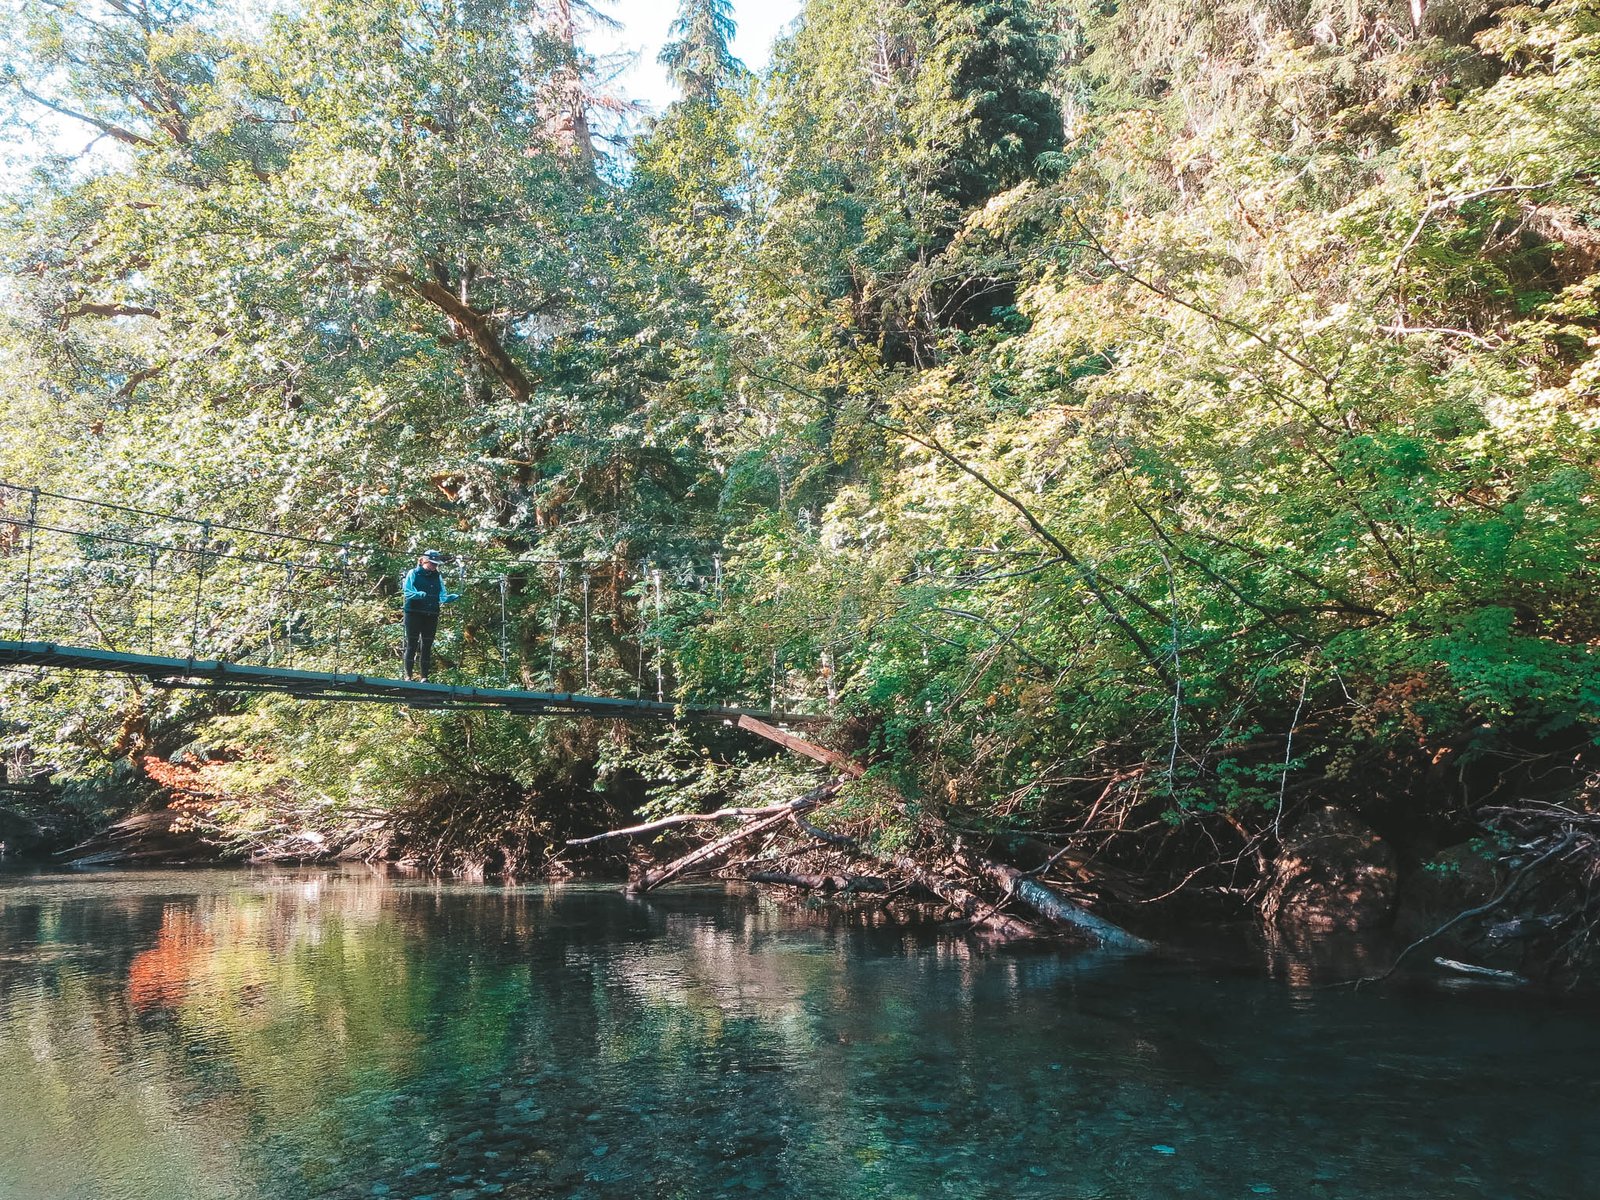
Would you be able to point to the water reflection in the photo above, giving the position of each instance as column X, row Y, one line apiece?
column 288, row 1034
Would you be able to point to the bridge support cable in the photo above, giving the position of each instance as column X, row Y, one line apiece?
column 27, row 579
column 505, row 645
column 655, row 580
column 586, row 684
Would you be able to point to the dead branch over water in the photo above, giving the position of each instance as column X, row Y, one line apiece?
column 977, row 890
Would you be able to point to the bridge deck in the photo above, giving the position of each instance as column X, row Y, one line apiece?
column 220, row 675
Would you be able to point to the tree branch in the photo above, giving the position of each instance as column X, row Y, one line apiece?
column 473, row 326
column 1168, row 294
column 682, row 819
column 1084, row 572
column 93, row 309
column 126, row 136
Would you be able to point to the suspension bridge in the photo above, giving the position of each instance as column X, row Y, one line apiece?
column 186, row 602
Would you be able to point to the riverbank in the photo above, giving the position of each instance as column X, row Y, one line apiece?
column 1333, row 882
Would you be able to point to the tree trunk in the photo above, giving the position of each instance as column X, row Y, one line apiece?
column 1053, row 906
column 842, row 763
column 569, row 120
column 984, row 917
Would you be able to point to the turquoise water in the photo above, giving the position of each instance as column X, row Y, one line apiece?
column 306, row 1034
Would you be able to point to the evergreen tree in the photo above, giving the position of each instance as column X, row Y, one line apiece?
column 698, row 57
column 998, row 59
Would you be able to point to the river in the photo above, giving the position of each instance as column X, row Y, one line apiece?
column 292, row 1034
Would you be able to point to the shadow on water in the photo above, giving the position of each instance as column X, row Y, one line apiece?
column 343, row 1034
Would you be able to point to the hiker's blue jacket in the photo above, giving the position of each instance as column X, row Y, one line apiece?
column 424, row 591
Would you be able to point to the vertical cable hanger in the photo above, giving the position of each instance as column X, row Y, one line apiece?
column 638, row 674
column 555, row 615
column 655, row 579
column 505, row 644
column 461, row 620
column 27, row 578
column 338, row 624
column 199, row 584
column 288, row 619
column 586, row 684
column 150, row 585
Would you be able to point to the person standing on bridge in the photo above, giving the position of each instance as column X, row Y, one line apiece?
column 425, row 594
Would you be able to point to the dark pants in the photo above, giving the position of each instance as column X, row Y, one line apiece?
column 420, row 628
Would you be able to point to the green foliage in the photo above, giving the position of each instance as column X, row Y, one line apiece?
column 697, row 54
column 1167, row 405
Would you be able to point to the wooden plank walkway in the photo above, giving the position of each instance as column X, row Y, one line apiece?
column 221, row 675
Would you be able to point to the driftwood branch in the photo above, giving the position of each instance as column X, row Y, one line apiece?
column 821, row 883
column 1489, row 906
column 704, row 854
column 1045, row 901
column 713, row 849
column 1477, row 972
column 722, row 814
column 840, row 840
column 982, row 916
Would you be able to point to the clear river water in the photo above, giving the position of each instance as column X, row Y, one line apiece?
column 296, row 1034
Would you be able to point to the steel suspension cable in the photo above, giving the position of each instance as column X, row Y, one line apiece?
column 505, row 657
column 586, row 684
column 27, row 578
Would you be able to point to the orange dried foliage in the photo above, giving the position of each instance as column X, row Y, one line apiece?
column 162, row 975
column 193, row 787
column 1401, row 700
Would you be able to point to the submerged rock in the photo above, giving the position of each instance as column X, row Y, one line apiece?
column 1333, row 873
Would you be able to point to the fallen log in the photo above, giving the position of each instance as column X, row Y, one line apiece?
column 702, row 854
column 982, row 916
column 1044, row 900
column 709, row 851
column 1478, row 972
column 1053, row 906
column 842, row 763
column 842, row 841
